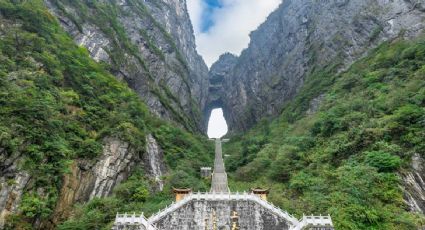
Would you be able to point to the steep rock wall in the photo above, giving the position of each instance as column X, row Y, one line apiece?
column 150, row 45
column 89, row 179
column 217, row 73
column 11, row 190
column 414, row 185
column 49, row 182
column 302, row 36
column 13, row 182
column 154, row 161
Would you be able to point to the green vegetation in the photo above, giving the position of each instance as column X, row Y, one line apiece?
column 345, row 158
column 57, row 106
column 133, row 195
column 105, row 17
column 124, row 53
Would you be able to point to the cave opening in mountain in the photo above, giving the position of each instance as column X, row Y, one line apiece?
column 217, row 125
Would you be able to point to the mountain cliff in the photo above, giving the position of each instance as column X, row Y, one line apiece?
column 301, row 37
column 316, row 126
column 216, row 89
column 355, row 152
column 71, row 132
column 148, row 44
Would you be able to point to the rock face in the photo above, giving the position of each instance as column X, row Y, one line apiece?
column 414, row 185
column 302, row 36
column 98, row 178
column 11, row 191
column 299, row 38
column 12, row 183
column 90, row 179
column 154, row 157
column 216, row 90
column 149, row 44
column 113, row 166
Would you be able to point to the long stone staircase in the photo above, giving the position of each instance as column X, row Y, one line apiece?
column 219, row 176
column 221, row 209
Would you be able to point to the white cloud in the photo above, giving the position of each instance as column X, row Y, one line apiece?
column 232, row 25
column 195, row 8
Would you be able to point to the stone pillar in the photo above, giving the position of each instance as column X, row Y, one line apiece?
column 205, row 172
column 181, row 193
column 262, row 193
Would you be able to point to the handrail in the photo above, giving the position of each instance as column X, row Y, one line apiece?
column 133, row 219
column 314, row 221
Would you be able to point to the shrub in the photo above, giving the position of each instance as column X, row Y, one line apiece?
column 383, row 161
column 33, row 205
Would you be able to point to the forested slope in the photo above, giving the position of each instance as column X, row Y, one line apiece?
column 63, row 117
column 347, row 144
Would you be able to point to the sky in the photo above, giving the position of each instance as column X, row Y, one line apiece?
column 217, row 126
column 224, row 25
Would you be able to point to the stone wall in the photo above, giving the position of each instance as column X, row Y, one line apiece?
column 204, row 214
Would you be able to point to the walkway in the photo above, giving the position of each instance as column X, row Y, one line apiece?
column 219, row 177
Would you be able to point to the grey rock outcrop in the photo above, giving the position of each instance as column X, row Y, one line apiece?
column 218, row 72
column 154, row 157
column 114, row 165
column 97, row 178
column 302, row 36
column 414, row 185
column 87, row 178
column 11, row 191
column 148, row 44
column 12, row 183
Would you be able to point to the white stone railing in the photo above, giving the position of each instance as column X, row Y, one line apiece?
column 223, row 196
column 314, row 221
column 132, row 219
